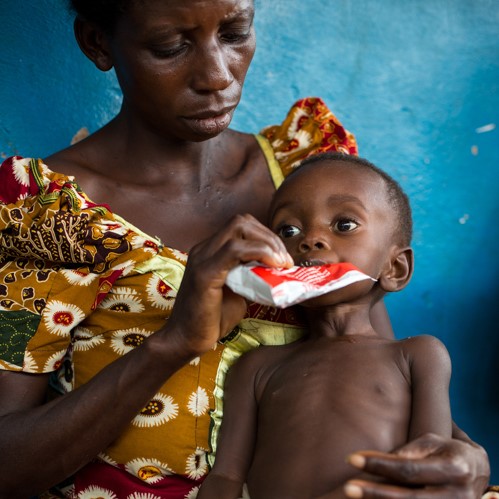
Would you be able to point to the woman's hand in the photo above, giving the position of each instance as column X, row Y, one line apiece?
column 205, row 309
column 429, row 467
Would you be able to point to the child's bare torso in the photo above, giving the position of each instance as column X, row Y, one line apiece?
column 319, row 400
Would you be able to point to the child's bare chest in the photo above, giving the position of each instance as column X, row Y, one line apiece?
column 318, row 405
column 358, row 380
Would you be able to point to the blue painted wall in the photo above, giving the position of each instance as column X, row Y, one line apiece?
column 416, row 81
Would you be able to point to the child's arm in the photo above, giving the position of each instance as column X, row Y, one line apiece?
column 430, row 368
column 237, row 434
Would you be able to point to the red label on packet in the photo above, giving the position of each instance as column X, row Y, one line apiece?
column 285, row 287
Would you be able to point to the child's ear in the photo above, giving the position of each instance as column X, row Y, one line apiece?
column 399, row 269
column 93, row 43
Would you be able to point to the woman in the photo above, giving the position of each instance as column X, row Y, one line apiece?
column 88, row 289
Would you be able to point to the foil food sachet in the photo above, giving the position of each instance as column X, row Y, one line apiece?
column 285, row 287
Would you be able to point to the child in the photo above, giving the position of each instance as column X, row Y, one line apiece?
column 293, row 413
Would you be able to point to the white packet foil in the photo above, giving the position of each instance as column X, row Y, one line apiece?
column 285, row 287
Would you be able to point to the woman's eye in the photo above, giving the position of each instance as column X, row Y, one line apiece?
column 345, row 225
column 167, row 52
column 237, row 30
column 288, row 231
column 235, row 37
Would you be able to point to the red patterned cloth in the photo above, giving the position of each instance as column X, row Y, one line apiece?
column 109, row 482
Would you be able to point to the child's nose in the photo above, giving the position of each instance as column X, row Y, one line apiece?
column 314, row 241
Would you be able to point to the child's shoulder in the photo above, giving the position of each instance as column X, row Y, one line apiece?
column 422, row 341
column 426, row 348
column 257, row 366
column 263, row 356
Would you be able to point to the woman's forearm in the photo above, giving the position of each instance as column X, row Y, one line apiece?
column 67, row 432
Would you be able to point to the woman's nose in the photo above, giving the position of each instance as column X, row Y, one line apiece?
column 212, row 69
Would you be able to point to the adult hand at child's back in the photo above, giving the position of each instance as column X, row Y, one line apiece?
column 429, row 467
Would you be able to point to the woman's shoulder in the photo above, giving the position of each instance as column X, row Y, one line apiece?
column 22, row 177
column 74, row 162
column 309, row 127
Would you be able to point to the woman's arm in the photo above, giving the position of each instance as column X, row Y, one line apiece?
column 74, row 428
column 44, row 443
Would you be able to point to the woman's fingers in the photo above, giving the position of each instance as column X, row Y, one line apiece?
column 237, row 251
column 360, row 489
column 242, row 240
column 426, row 468
column 430, row 470
column 205, row 309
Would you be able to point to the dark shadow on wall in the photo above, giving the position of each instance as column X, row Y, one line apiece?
column 474, row 389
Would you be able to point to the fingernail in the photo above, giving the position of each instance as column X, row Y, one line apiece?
column 357, row 460
column 287, row 259
column 353, row 491
column 283, row 259
column 280, row 260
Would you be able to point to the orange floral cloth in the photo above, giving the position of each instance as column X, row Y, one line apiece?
column 80, row 287
column 492, row 492
column 309, row 128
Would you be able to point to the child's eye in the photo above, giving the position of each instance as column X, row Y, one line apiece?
column 287, row 231
column 345, row 225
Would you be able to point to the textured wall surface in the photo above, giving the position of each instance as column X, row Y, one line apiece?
column 416, row 81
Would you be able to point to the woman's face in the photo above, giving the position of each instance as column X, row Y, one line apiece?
column 181, row 64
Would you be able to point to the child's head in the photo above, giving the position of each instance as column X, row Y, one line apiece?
column 339, row 208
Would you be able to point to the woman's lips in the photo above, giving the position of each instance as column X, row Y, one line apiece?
column 210, row 124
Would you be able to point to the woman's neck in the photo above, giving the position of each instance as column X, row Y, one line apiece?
column 133, row 150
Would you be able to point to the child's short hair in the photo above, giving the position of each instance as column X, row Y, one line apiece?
column 397, row 198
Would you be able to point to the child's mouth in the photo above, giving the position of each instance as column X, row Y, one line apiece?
column 311, row 263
